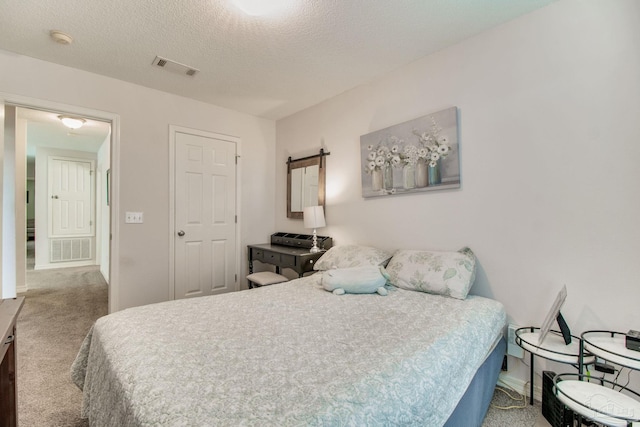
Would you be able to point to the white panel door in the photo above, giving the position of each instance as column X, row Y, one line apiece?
column 70, row 197
column 205, row 215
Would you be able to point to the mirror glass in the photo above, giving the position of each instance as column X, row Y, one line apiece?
column 305, row 184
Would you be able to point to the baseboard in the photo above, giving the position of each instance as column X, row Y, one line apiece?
column 521, row 386
column 21, row 289
column 68, row 264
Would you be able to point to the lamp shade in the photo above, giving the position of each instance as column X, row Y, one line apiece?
column 313, row 217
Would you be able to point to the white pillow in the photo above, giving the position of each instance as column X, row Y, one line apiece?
column 347, row 256
column 354, row 280
column 443, row 273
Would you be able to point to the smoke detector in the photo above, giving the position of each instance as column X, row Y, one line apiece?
column 174, row 66
column 60, row 37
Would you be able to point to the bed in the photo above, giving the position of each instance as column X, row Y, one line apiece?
column 293, row 354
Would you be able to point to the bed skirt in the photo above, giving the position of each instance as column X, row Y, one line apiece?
column 474, row 404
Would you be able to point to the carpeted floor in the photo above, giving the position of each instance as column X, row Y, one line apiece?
column 59, row 309
column 528, row 416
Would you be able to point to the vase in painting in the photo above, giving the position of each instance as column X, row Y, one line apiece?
column 388, row 177
column 409, row 176
column 376, row 180
column 421, row 173
column 434, row 174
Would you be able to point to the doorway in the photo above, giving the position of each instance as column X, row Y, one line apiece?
column 20, row 183
column 64, row 166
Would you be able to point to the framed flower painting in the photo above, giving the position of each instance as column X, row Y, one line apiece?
column 412, row 157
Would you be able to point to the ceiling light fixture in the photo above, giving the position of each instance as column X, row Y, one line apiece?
column 60, row 37
column 72, row 122
column 261, row 7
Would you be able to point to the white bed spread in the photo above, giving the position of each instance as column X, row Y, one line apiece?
column 289, row 354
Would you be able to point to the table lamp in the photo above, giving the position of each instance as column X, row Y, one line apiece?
column 314, row 218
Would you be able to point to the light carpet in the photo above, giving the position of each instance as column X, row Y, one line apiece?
column 59, row 309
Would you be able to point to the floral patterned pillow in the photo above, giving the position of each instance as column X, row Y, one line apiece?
column 347, row 256
column 443, row 273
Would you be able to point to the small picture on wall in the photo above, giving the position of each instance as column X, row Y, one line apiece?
column 412, row 157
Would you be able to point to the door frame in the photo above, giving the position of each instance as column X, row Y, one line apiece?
column 173, row 129
column 114, row 119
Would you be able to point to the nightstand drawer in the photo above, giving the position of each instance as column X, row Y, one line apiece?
column 307, row 263
column 287, row 260
column 256, row 254
column 271, row 258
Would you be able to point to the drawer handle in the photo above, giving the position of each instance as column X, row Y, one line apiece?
column 10, row 339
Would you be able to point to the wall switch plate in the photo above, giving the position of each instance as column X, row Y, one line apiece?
column 513, row 349
column 133, row 218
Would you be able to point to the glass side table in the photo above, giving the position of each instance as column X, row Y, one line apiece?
column 601, row 402
column 552, row 348
column 610, row 346
column 598, row 402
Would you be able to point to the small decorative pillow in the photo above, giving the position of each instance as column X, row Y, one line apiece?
column 347, row 256
column 443, row 273
column 356, row 280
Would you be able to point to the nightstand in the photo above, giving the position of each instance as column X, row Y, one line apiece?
column 600, row 402
column 552, row 348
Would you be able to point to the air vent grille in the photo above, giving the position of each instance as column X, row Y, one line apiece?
column 174, row 66
column 75, row 249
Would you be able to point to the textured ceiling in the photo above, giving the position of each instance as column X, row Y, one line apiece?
column 269, row 66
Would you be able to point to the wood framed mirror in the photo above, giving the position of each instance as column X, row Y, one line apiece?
column 305, row 183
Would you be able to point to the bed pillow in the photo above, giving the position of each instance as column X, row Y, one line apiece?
column 443, row 273
column 355, row 280
column 347, row 256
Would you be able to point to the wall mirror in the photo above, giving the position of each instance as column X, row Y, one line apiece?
column 305, row 183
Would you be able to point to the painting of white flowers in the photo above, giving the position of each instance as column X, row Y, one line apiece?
column 411, row 157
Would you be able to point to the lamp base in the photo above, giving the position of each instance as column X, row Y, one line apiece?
column 314, row 249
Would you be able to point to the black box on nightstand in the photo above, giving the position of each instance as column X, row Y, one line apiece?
column 632, row 340
column 553, row 410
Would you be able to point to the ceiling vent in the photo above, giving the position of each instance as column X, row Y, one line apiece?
column 174, row 66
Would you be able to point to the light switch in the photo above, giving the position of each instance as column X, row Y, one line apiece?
column 133, row 218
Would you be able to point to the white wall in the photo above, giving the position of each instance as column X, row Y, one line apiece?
column 550, row 162
column 145, row 116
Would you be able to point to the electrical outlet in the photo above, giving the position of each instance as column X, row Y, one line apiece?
column 513, row 349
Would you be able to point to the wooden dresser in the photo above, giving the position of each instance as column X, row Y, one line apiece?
column 9, row 309
column 289, row 250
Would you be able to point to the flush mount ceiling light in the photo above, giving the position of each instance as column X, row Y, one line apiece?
column 72, row 122
column 60, row 37
column 262, row 7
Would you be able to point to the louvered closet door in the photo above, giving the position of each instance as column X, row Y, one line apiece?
column 205, row 211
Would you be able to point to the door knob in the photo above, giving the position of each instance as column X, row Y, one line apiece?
column 54, row 197
column 180, row 233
